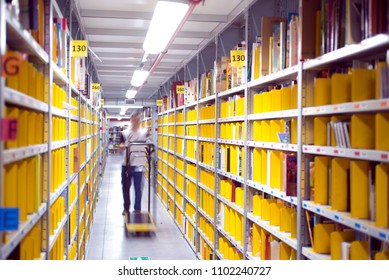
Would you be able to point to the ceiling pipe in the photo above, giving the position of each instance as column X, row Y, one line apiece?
column 192, row 6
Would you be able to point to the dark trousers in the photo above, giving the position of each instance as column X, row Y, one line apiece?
column 127, row 174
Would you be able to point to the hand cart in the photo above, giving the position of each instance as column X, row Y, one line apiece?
column 137, row 222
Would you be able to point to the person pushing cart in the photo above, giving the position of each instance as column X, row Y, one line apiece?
column 134, row 162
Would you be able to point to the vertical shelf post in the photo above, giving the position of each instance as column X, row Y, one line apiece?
column 246, row 152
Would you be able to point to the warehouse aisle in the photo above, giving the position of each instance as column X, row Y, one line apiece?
column 108, row 240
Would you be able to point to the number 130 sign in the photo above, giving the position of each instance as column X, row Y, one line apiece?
column 79, row 48
column 238, row 58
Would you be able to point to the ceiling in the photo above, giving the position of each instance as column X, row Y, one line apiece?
column 116, row 29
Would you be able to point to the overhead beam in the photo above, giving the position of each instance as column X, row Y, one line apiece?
column 143, row 32
column 127, row 68
column 129, row 64
column 121, row 55
column 118, row 72
column 88, row 13
column 185, row 47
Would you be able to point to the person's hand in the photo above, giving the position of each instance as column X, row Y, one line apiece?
column 122, row 146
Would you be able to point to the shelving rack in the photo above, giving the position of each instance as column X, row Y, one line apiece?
column 173, row 177
column 79, row 190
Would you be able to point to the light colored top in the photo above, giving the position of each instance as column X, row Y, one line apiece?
column 137, row 157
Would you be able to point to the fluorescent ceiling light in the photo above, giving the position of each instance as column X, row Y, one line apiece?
column 131, row 93
column 118, row 117
column 166, row 18
column 127, row 106
column 139, row 77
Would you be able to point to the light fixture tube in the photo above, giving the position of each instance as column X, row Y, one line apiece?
column 164, row 23
column 131, row 93
column 139, row 77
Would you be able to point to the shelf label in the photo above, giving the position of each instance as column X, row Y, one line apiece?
column 159, row 102
column 79, row 48
column 11, row 64
column 238, row 58
column 180, row 89
column 96, row 88
column 9, row 219
column 9, row 130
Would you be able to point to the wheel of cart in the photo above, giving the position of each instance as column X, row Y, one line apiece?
column 141, row 222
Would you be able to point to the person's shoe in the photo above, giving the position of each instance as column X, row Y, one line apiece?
column 124, row 212
column 136, row 211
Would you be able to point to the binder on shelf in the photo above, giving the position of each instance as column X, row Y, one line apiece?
column 381, row 131
column 23, row 128
column 359, row 250
column 286, row 219
column 321, row 180
column 264, row 245
column 275, row 215
column 276, row 100
column 285, row 251
column 321, row 240
column 23, row 77
column 322, row 91
column 336, row 240
column 276, row 127
column 10, row 191
column 286, row 96
column 32, row 187
column 382, row 195
column 320, row 131
column 257, row 135
column 340, row 182
column 362, row 131
column 362, row 84
column 256, row 245
column 340, row 88
column 266, row 130
column 266, row 203
column 257, row 103
column 22, row 189
column 267, row 102
column 359, row 189
column 382, row 256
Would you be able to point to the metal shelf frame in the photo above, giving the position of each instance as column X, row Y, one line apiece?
column 300, row 73
column 13, row 34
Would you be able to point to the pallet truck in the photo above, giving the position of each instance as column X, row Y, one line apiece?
column 140, row 222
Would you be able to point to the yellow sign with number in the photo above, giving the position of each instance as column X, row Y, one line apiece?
column 180, row 89
column 95, row 88
column 79, row 48
column 238, row 58
column 159, row 102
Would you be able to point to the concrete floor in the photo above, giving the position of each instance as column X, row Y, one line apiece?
column 108, row 240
